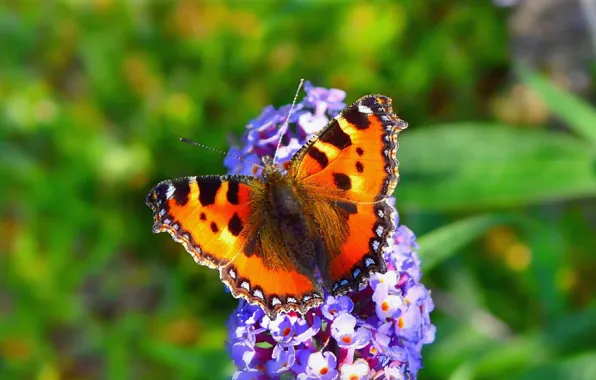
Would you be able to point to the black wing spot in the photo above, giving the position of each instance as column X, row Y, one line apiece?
column 233, row 188
column 159, row 192
column 376, row 103
column 359, row 167
column 319, row 156
column 214, row 227
column 181, row 192
column 342, row 181
column 359, row 151
column 356, row 118
column 208, row 191
column 235, row 225
column 203, row 216
column 349, row 207
column 336, row 136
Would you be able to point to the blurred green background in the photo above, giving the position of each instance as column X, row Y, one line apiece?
column 498, row 172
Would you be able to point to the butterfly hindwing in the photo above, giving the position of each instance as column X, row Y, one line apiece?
column 361, row 253
column 274, row 289
column 354, row 156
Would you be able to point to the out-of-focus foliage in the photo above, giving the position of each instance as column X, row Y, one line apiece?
column 95, row 94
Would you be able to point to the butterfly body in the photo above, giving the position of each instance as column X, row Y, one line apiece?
column 287, row 210
column 326, row 216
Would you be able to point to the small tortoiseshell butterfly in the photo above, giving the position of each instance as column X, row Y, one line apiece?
column 328, row 212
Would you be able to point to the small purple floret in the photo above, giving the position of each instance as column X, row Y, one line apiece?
column 320, row 366
column 336, row 306
column 347, row 335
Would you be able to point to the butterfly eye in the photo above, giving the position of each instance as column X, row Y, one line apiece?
column 286, row 165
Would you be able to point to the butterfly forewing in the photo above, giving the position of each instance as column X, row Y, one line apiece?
column 208, row 215
column 354, row 156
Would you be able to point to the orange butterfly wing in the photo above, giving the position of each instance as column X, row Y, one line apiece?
column 207, row 215
column 275, row 289
column 354, row 156
column 361, row 252
column 219, row 221
column 352, row 164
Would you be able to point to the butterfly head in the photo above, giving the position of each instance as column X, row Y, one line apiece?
column 271, row 170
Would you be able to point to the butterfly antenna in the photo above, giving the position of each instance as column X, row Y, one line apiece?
column 285, row 125
column 194, row 143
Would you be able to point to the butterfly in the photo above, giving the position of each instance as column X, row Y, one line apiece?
column 322, row 223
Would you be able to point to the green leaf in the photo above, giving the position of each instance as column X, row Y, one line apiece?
column 438, row 245
column 550, row 255
column 471, row 166
column 195, row 361
column 580, row 116
column 264, row 344
column 571, row 333
column 579, row 367
column 464, row 372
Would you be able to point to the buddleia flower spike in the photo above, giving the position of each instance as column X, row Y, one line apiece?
column 374, row 333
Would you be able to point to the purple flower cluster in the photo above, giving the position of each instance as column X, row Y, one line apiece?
column 263, row 133
column 374, row 333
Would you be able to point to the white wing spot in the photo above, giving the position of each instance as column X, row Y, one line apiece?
column 162, row 212
column 306, row 298
column 176, row 226
column 232, row 273
column 291, row 300
column 167, row 221
column 368, row 262
column 380, row 230
column 245, row 285
column 257, row 293
column 376, row 245
column 380, row 213
column 275, row 301
column 364, row 109
column 170, row 191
